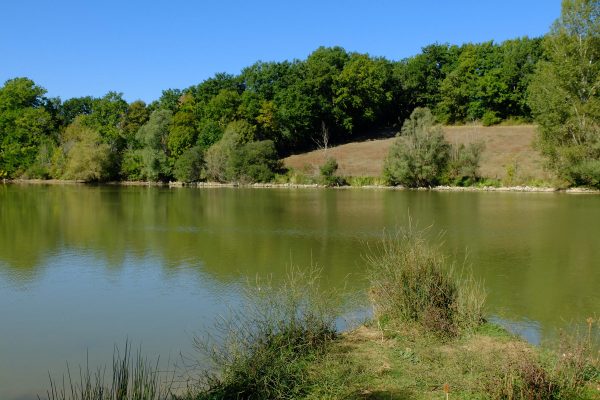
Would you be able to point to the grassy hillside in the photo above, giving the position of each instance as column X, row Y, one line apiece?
column 509, row 154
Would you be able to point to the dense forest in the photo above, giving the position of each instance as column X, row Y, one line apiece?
column 237, row 127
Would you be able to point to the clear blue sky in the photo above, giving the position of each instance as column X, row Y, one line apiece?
column 88, row 47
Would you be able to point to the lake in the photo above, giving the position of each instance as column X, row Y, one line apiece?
column 84, row 268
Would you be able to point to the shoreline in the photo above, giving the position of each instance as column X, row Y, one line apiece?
column 202, row 185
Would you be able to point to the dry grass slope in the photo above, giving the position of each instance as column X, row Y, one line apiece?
column 506, row 148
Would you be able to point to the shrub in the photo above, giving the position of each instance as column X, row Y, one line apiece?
column 254, row 162
column 490, row 118
column 327, row 172
column 463, row 166
column 189, row 165
column 266, row 348
column 132, row 165
column 420, row 156
column 236, row 157
column 411, row 281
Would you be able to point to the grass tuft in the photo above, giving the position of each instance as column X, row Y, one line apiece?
column 133, row 378
column 266, row 349
column 411, row 281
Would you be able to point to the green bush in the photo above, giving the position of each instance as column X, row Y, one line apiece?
column 490, row 118
column 463, row 166
column 265, row 350
column 188, row 166
column 418, row 157
column 412, row 281
column 132, row 165
column 327, row 172
column 253, row 162
column 236, row 157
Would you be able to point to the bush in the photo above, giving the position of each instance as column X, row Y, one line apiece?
column 463, row 167
column 265, row 350
column 254, row 162
column 411, row 281
column 132, row 165
column 490, row 118
column 188, row 166
column 236, row 157
column 327, row 172
column 420, row 156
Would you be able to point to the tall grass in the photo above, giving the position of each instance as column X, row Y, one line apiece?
column 412, row 280
column 133, row 378
column 265, row 349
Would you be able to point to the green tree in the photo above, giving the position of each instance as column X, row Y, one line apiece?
column 419, row 157
column 87, row 157
column 137, row 115
column 564, row 94
column 154, row 137
column 188, row 166
column 24, row 124
column 183, row 132
column 362, row 92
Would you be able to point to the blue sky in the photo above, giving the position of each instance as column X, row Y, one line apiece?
column 78, row 47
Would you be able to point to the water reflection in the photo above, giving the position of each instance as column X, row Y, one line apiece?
column 87, row 266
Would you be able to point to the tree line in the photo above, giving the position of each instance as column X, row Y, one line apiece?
column 269, row 110
column 237, row 127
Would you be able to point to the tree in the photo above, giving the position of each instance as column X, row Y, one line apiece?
column 564, row 94
column 154, row 136
column 419, row 157
column 24, row 124
column 362, row 92
column 87, row 157
column 189, row 165
column 238, row 157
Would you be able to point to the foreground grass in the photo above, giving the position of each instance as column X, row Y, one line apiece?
column 408, row 362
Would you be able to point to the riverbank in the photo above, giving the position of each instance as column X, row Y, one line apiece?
column 400, row 361
column 531, row 189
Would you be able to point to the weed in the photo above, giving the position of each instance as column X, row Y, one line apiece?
column 412, row 281
column 132, row 379
column 267, row 348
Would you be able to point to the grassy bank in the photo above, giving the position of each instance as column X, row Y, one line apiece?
column 508, row 158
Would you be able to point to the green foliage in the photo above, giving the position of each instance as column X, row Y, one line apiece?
column 137, row 115
column 24, row 124
column 153, row 136
column 328, row 170
column 490, row 118
column 419, row 157
column 290, row 103
column 189, row 165
column 265, row 350
column 565, row 94
column 87, row 158
column 463, row 166
column 254, row 162
column 412, row 281
column 238, row 158
column 132, row 165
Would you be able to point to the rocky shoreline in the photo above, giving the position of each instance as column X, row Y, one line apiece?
column 528, row 189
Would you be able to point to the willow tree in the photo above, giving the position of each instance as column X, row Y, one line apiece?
column 564, row 94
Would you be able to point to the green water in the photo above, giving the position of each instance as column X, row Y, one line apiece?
column 83, row 268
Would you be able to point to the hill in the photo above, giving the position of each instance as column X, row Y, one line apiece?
column 508, row 154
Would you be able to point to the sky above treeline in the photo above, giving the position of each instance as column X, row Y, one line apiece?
column 77, row 48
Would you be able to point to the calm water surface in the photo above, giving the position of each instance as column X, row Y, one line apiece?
column 84, row 268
